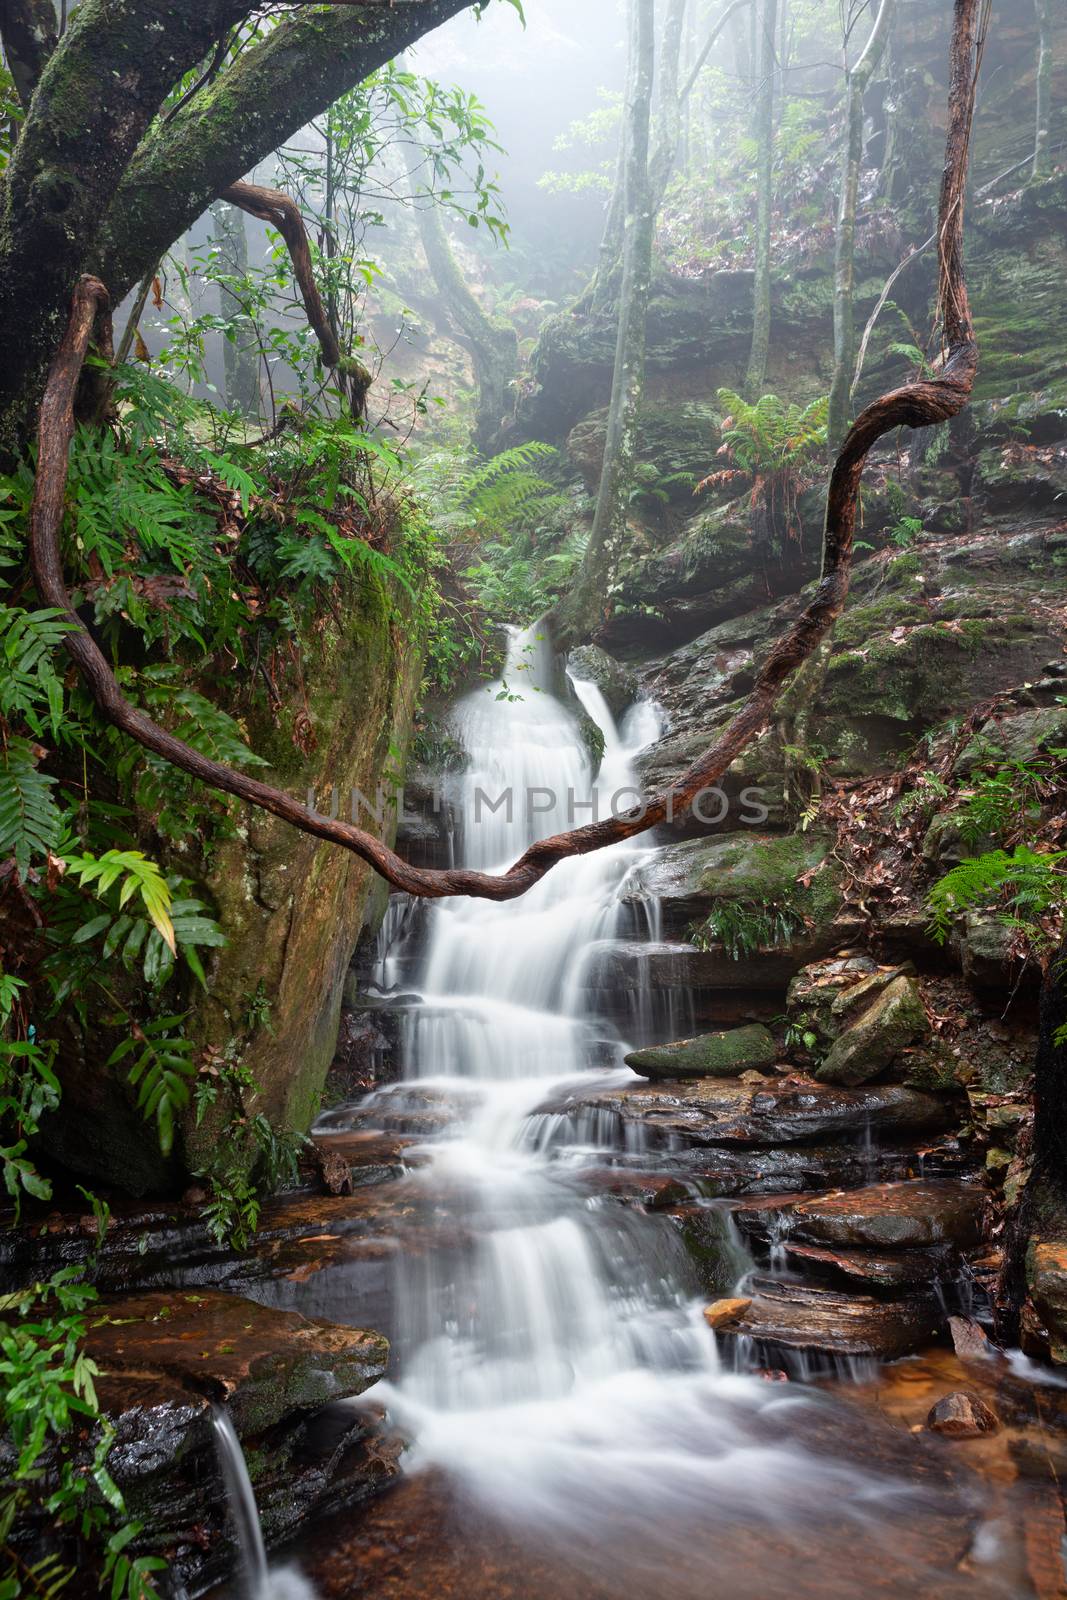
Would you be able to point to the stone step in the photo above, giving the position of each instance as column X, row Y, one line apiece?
column 785, row 1317
column 915, row 1214
column 876, row 1271
column 727, row 1111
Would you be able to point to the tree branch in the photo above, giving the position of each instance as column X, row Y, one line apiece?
column 282, row 212
column 917, row 405
column 241, row 116
column 29, row 34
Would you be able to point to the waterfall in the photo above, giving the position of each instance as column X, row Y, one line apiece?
column 252, row 1554
column 550, row 1351
column 256, row 1580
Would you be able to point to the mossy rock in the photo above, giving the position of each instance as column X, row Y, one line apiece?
column 788, row 880
column 616, row 682
column 711, row 1055
column 675, row 448
column 895, row 1018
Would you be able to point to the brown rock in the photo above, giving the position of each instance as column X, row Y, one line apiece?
column 721, row 1312
column 962, row 1415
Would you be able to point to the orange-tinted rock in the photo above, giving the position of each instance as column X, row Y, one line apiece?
column 962, row 1415
column 723, row 1312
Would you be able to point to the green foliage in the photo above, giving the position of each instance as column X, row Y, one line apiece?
column 1025, row 884
column 773, row 444
column 773, row 435
column 744, row 927
column 50, row 1412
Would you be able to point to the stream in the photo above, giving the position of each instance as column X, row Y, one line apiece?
column 573, row 1431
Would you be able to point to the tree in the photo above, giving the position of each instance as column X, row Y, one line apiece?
column 856, row 80
column 492, row 343
column 924, row 403
column 240, row 359
column 761, row 288
column 102, row 182
column 585, row 604
column 1042, row 165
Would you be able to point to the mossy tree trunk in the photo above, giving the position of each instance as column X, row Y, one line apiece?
column 493, row 344
column 1042, row 166
column 761, row 288
column 98, row 181
column 856, row 78
column 240, row 358
column 586, row 605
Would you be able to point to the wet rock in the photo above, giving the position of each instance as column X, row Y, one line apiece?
column 263, row 1364
column 712, row 1111
column 893, row 1216
column 711, row 1055
column 354, row 1158
column 617, row 683
column 164, row 1359
column 984, row 946
column 962, row 1415
column 721, row 1313
column 786, row 886
column 875, row 1270
column 786, row 1316
column 1046, row 1277
column 894, row 1018
column 813, row 994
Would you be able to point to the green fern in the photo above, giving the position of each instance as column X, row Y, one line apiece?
column 1036, row 883
column 139, row 876
column 30, row 822
column 773, row 433
column 30, row 687
column 161, row 1071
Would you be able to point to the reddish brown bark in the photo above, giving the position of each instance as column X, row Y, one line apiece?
column 276, row 208
column 917, row 405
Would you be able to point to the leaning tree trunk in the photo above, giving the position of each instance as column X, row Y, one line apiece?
column 240, row 359
column 1042, row 165
column 845, row 238
column 493, row 344
column 761, row 289
column 585, row 606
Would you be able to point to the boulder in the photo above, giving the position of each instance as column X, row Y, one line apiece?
column 617, row 683
column 865, row 1047
column 712, row 1055
column 164, row 1360
column 746, row 893
column 874, row 1270
column 962, row 1415
column 787, row 1319
column 724, row 1111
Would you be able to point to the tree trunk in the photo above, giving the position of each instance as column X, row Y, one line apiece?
column 845, row 238
column 761, row 289
column 1042, row 166
column 493, row 343
column 586, row 604
column 240, row 358
column 89, row 185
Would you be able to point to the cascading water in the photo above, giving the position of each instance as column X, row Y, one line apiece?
column 255, row 1579
column 550, row 1353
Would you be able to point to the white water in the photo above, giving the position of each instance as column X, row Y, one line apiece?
column 551, row 1356
column 255, row 1579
